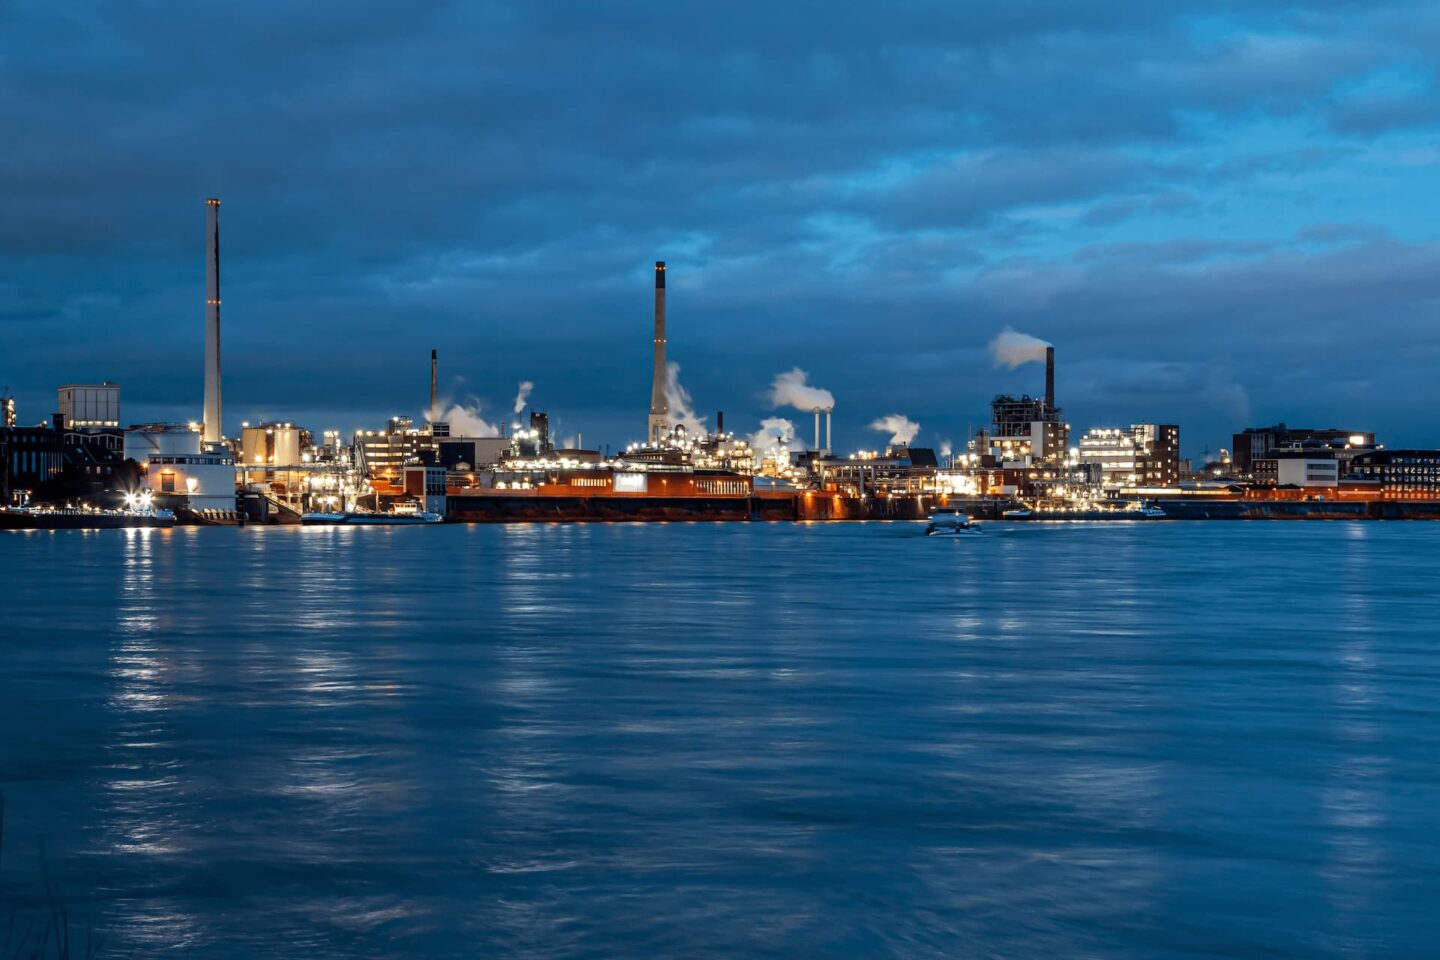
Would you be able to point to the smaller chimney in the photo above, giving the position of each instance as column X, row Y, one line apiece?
column 817, row 429
column 1049, row 379
column 828, row 411
column 720, row 421
column 434, row 384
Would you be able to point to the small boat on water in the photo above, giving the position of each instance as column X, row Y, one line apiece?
column 949, row 522
column 370, row 519
column 1020, row 513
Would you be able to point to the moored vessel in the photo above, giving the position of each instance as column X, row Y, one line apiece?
column 27, row 518
column 949, row 522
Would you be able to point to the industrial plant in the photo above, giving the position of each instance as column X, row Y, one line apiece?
column 82, row 466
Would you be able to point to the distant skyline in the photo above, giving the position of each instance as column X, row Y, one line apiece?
column 1222, row 215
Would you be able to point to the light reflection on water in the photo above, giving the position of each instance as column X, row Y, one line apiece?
column 1119, row 740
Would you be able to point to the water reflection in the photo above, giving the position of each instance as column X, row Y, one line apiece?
column 732, row 739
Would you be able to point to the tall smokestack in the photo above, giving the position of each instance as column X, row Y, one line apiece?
column 1050, row 379
column 659, row 424
column 213, row 433
column 817, row 429
column 434, row 384
column 720, row 421
column 828, row 411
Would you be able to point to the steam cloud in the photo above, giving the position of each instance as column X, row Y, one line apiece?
column 464, row 420
column 776, row 435
column 901, row 428
column 946, row 447
column 682, row 410
column 524, row 394
column 1011, row 348
column 791, row 390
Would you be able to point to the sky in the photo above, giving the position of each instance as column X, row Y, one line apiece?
column 1221, row 214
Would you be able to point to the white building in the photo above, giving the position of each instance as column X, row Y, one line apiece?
column 177, row 472
column 1307, row 472
column 1114, row 451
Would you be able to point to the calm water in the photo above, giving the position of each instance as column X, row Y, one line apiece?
column 1152, row 740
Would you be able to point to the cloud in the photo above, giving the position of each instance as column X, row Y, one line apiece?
column 868, row 194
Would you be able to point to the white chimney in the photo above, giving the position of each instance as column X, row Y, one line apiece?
column 213, row 425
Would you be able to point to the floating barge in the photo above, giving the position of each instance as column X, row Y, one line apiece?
column 27, row 519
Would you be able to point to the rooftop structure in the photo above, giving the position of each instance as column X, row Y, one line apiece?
column 86, row 405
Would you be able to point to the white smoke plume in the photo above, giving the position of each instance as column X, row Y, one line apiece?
column 1011, row 348
column 464, row 420
column 775, row 436
column 791, row 390
column 682, row 412
column 901, row 428
column 1228, row 395
column 947, row 448
column 524, row 394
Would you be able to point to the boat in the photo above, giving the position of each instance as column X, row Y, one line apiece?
column 1021, row 513
column 369, row 519
column 31, row 518
column 949, row 522
column 1153, row 511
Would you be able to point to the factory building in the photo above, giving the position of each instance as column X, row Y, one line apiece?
column 1025, row 430
column 271, row 445
column 1028, row 440
column 29, row 456
column 82, row 406
column 382, row 455
column 178, row 473
column 1262, row 443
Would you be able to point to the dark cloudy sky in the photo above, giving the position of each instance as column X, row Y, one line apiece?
column 1221, row 213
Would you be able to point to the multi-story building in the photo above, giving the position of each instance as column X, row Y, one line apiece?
column 1157, row 454
column 1110, row 451
column 382, row 455
column 1145, row 455
column 1258, row 443
column 1401, row 474
column 29, row 456
column 83, row 405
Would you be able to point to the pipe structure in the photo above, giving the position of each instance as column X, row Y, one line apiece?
column 1049, row 379
column 659, row 423
column 212, row 419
